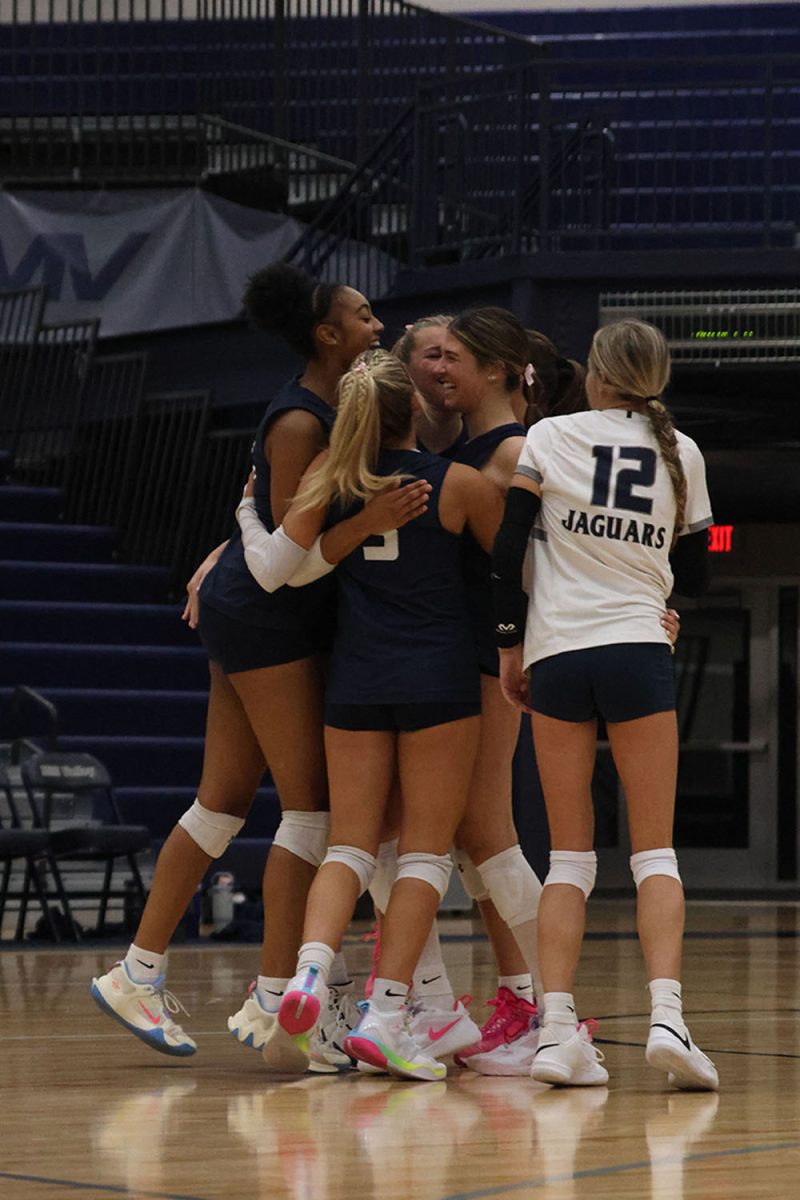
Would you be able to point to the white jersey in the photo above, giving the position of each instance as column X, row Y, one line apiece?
column 602, row 538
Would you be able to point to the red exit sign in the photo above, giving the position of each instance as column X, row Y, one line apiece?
column 720, row 539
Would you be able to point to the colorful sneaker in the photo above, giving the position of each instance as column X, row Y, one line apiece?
column 383, row 1041
column 510, row 1058
column 251, row 1025
column 339, row 1018
column 511, row 1019
column 671, row 1049
column 571, row 1063
column 144, row 1009
column 442, row 1031
column 287, row 1049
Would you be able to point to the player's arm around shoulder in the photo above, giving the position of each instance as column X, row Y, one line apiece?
column 468, row 498
column 274, row 558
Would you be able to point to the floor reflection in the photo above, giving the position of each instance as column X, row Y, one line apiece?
column 132, row 1137
column 671, row 1135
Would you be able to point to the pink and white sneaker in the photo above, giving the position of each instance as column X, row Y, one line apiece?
column 512, row 1018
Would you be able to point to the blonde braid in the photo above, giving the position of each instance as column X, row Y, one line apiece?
column 664, row 430
column 375, row 401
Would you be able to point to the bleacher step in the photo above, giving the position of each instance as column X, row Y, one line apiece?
column 63, row 543
column 103, row 666
column 74, row 621
column 30, row 504
column 93, row 582
column 124, row 713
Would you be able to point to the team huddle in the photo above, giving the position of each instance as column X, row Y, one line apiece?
column 433, row 542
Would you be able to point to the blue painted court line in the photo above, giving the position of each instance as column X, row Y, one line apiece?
column 620, row 1169
column 75, row 1185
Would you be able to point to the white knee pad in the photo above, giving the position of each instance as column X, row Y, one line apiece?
column 470, row 876
column 212, row 831
column 385, row 873
column 434, row 869
column 360, row 863
column 513, row 886
column 578, row 867
column 654, row 862
column 304, row 834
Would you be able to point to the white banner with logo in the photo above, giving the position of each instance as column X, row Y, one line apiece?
column 138, row 260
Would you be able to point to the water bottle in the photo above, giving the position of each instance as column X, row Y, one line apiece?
column 222, row 886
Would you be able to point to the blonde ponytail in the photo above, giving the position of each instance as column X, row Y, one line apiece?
column 374, row 403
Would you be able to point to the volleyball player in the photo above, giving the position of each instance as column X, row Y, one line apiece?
column 265, row 699
column 619, row 509
column 439, row 429
column 558, row 383
column 485, row 358
column 404, row 691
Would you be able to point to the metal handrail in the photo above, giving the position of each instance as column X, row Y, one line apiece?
column 269, row 139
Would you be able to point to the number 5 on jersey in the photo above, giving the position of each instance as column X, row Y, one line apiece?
column 384, row 547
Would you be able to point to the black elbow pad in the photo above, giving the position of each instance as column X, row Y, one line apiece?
column 508, row 555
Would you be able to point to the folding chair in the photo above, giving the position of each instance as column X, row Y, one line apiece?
column 62, row 786
column 33, row 845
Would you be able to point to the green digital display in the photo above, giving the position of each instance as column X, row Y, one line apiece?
column 721, row 334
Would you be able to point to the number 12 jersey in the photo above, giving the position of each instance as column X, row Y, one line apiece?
column 601, row 543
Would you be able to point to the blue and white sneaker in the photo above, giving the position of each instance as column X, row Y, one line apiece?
column 252, row 1024
column 144, row 1009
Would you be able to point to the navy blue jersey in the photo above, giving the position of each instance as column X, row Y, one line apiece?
column 450, row 452
column 404, row 634
column 476, row 452
column 230, row 588
column 476, row 562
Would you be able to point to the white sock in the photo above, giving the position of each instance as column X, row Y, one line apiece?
column 270, row 991
column 339, row 976
column 526, row 936
column 143, row 965
column 666, row 1001
column 316, row 954
column 388, row 996
column 430, row 980
column 559, row 1014
column 518, row 985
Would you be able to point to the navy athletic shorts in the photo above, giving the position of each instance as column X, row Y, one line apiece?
column 237, row 646
column 399, row 718
column 619, row 683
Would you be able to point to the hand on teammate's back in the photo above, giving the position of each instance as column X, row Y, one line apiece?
column 191, row 612
column 397, row 506
column 671, row 621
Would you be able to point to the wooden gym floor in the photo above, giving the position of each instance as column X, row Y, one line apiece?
column 86, row 1110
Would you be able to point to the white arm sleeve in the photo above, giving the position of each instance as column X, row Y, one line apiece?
column 271, row 557
column 313, row 566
